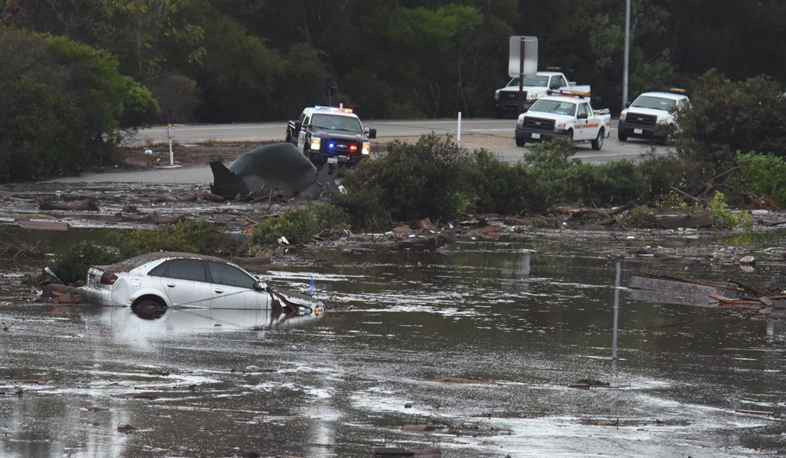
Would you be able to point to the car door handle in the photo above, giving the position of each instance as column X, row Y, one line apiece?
column 171, row 285
column 219, row 291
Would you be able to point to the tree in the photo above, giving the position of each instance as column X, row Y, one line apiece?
column 61, row 105
column 726, row 117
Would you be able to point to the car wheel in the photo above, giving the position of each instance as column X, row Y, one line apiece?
column 520, row 141
column 598, row 142
column 621, row 136
column 149, row 308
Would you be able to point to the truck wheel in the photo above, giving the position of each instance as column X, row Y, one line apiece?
column 570, row 135
column 520, row 141
column 622, row 136
column 598, row 142
column 289, row 136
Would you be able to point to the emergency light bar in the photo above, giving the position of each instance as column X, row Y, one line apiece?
column 334, row 109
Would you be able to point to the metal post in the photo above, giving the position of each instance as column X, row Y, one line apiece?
column 458, row 135
column 169, row 135
column 627, row 56
column 521, row 76
column 616, row 318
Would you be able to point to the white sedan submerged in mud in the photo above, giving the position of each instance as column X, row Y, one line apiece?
column 170, row 279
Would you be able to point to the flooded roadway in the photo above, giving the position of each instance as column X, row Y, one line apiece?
column 470, row 350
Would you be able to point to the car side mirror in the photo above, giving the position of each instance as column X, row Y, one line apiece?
column 371, row 133
column 298, row 124
column 627, row 104
column 260, row 286
column 582, row 116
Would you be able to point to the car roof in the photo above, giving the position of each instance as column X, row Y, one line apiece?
column 330, row 111
column 132, row 263
column 665, row 95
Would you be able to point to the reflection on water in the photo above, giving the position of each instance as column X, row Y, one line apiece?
column 141, row 329
column 517, row 321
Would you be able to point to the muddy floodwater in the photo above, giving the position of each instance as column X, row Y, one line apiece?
column 467, row 351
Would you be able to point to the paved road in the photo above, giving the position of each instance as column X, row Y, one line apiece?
column 493, row 134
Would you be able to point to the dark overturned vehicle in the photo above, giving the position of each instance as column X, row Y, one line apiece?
column 330, row 134
column 159, row 281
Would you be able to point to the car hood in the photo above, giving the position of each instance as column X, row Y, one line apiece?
column 648, row 111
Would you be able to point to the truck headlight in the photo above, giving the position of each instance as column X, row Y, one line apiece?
column 623, row 115
column 559, row 126
column 316, row 142
column 663, row 121
column 520, row 122
column 496, row 96
column 366, row 148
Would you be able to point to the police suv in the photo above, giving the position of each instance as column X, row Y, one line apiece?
column 330, row 134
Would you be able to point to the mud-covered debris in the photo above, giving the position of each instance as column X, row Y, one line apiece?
column 403, row 229
column 271, row 169
column 459, row 380
column 65, row 298
column 44, row 225
column 589, row 383
column 601, row 422
column 426, row 224
column 674, row 220
column 81, row 205
column 126, row 428
column 763, row 413
column 747, row 260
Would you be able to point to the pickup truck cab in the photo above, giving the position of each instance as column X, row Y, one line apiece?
column 330, row 134
column 651, row 115
column 536, row 86
column 566, row 115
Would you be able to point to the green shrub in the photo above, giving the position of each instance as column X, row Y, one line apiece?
column 410, row 182
column 722, row 217
column 496, row 186
column 201, row 237
column 71, row 266
column 726, row 117
column 764, row 175
column 552, row 175
column 299, row 226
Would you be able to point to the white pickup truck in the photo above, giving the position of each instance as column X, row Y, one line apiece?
column 651, row 115
column 566, row 115
column 536, row 86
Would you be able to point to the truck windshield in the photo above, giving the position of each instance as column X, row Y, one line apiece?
column 540, row 81
column 554, row 106
column 336, row 122
column 655, row 103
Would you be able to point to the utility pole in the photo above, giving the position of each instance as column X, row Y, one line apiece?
column 627, row 56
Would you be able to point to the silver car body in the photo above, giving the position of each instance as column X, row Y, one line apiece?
column 176, row 280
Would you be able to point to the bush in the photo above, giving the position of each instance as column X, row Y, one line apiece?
column 410, row 182
column 202, row 238
column 726, row 117
column 299, row 226
column 722, row 217
column 62, row 105
column 498, row 187
column 71, row 266
column 764, row 175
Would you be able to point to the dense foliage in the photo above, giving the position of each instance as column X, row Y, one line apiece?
column 434, row 178
column 242, row 60
column 61, row 103
column 300, row 225
column 727, row 117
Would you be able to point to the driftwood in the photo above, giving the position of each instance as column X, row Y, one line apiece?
column 203, row 196
column 82, row 205
column 673, row 221
column 44, row 225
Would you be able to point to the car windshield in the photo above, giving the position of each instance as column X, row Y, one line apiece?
column 535, row 80
column 336, row 122
column 554, row 106
column 655, row 103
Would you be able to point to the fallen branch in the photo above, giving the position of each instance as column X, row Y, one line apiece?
column 688, row 196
